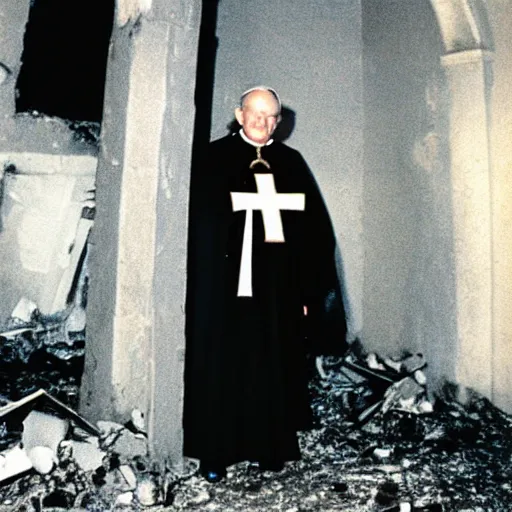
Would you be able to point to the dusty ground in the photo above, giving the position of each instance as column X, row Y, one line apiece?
column 456, row 458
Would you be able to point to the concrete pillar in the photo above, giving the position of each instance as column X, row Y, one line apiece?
column 135, row 331
column 468, row 74
column 13, row 18
column 501, row 17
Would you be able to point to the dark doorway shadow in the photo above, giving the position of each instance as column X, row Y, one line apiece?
column 205, row 77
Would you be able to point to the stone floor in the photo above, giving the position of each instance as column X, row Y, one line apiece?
column 455, row 458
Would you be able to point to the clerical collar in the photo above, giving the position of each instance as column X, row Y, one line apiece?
column 251, row 142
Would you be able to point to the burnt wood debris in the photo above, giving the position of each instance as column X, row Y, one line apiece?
column 381, row 441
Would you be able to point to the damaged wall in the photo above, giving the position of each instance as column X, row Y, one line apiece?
column 47, row 166
column 409, row 286
column 437, row 217
column 50, row 171
column 311, row 53
column 500, row 14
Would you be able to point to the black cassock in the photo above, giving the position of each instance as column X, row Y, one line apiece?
column 245, row 368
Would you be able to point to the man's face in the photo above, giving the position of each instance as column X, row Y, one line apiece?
column 258, row 116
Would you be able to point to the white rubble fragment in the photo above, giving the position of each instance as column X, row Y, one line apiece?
column 320, row 367
column 87, row 454
column 405, row 507
column 75, row 322
column 407, row 404
column 425, row 407
column 125, row 498
column 147, row 492
column 137, row 420
column 373, row 362
column 382, row 453
column 41, row 429
column 24, row 310
column 129, row 476
column 5, row 72
column 390, row 469
column 420, row 377
column 13, row 462
column 43, row 459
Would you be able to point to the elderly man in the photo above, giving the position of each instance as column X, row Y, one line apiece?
column 261, row 269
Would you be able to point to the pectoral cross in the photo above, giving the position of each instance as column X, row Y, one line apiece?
column 270, row 203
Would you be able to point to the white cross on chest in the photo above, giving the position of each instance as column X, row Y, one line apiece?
column 270, row 203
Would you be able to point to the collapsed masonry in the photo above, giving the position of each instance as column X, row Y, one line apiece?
column 46, row 212
column 58, row 176
column 398, row 455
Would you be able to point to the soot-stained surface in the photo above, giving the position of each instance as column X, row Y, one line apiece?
column 454, row 458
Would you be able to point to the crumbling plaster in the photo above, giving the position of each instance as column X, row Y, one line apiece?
column 50, row 181
column 409, row 270
column 467, row 288
column 51, row 170
column 500, row 15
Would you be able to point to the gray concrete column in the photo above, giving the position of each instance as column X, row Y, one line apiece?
column 469, row 81
column 135, row 332
column 13, row 18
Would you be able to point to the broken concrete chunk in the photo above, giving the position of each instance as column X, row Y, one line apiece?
column 43, row 459
column 147, row 492
column 137, row 421
column 110, row 431
column 14, row 461
column 24, row 310
column 425, row 407
column 124, row 499
column 129, row 476
column 21, row 408
column 87, row 454
column 420, row 377
column 413, row 363
column 373, row 362
column 402, row 390
column 320, row 367
column 129, row 445
column 41, row 429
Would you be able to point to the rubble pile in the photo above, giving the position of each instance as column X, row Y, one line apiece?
column 380, row 443
column 42, row 351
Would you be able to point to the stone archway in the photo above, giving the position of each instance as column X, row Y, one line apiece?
column 428, row 200
column 467, row 61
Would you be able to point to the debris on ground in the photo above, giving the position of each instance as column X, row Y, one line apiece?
column 375, row 447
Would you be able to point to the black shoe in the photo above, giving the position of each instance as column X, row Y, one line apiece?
column 212, row 474
column 271, row 465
